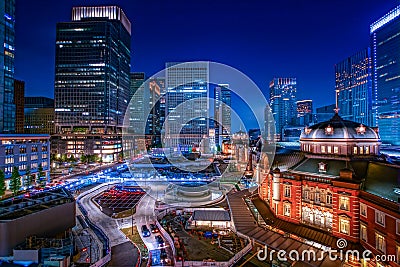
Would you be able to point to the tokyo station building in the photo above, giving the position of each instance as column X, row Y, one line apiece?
column 337, row 186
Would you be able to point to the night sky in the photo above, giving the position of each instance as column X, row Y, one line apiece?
column 263, row 39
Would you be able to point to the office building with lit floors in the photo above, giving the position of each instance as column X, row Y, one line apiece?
column 385, row 44
column 92, row 67
column 354, row 87
column 187, row 105
column 283, row 103
column 7, row 58
column 339, row 187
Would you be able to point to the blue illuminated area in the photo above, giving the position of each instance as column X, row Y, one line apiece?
column 385, row 43
column 393, row 14
column 7, row 34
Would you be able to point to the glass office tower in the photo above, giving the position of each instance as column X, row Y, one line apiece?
column 354, row 87
column 283, row 103
column 385, row 46
column 156, row 118
column 7, row 33
column 187, row 105
column 222, row 113
column 92, row 80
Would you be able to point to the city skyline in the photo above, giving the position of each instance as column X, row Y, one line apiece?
column 261, row 62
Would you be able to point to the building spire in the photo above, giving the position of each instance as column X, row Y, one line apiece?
column 336, row 101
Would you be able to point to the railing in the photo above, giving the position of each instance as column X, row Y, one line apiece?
column 98, row 231
column 164, row 233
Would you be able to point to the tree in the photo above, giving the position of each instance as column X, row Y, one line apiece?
column 41, row 177
column 15, row 181
column 83, row 158
column 27, row 178
column 2, row 184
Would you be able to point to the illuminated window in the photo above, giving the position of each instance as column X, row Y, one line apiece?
column 344, row 226
column 323, row 149
column 380, row 218
column 344, row 203
column 322, row 167
column 317, row 197
column 287, row 191
column 367, row 150
column 363, row 209
column 306, row 194
column 380, row 243
column 329, row 149
column 361, row 150
column 363, row 233
column 335, row 150
column 329, row 198
column 355, row 150
column 286, row 209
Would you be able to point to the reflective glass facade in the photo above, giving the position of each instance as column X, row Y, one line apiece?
column 92, row 73
column 187, row 83
column 354, row 87
column 92, row 91
column 222, row 113
column 156, row 118
column 7, row 33
column 385, row 46
column 283, row 103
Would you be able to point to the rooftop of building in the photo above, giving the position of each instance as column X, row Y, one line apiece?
column 23, row 136
column 22, row 205
column 101, row 12
column 211, row 215
column 337, row 128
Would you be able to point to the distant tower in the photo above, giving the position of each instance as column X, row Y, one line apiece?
column 222, row 113
column 92, row 81
column 385, row 47
column 283, row 103
column 354, row 87
column 304, row 112
column 7, row 54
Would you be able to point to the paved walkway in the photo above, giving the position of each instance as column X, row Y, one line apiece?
column 245, row 224
column 121, row 250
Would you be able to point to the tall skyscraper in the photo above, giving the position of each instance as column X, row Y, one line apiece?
column 92, row 81
column 222, row 113
column 283, row 103
column 139, row 109
column 156, row 118
column 19, row 94
column 385, row 47
column 187, row 105
column 7, row 33
column 354, row 87
column 304, row 112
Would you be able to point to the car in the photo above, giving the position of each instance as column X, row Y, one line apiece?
column 145, row 231
column 160, row 241
column 154, row 228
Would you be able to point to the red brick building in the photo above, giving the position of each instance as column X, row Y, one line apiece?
column 342, row 186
